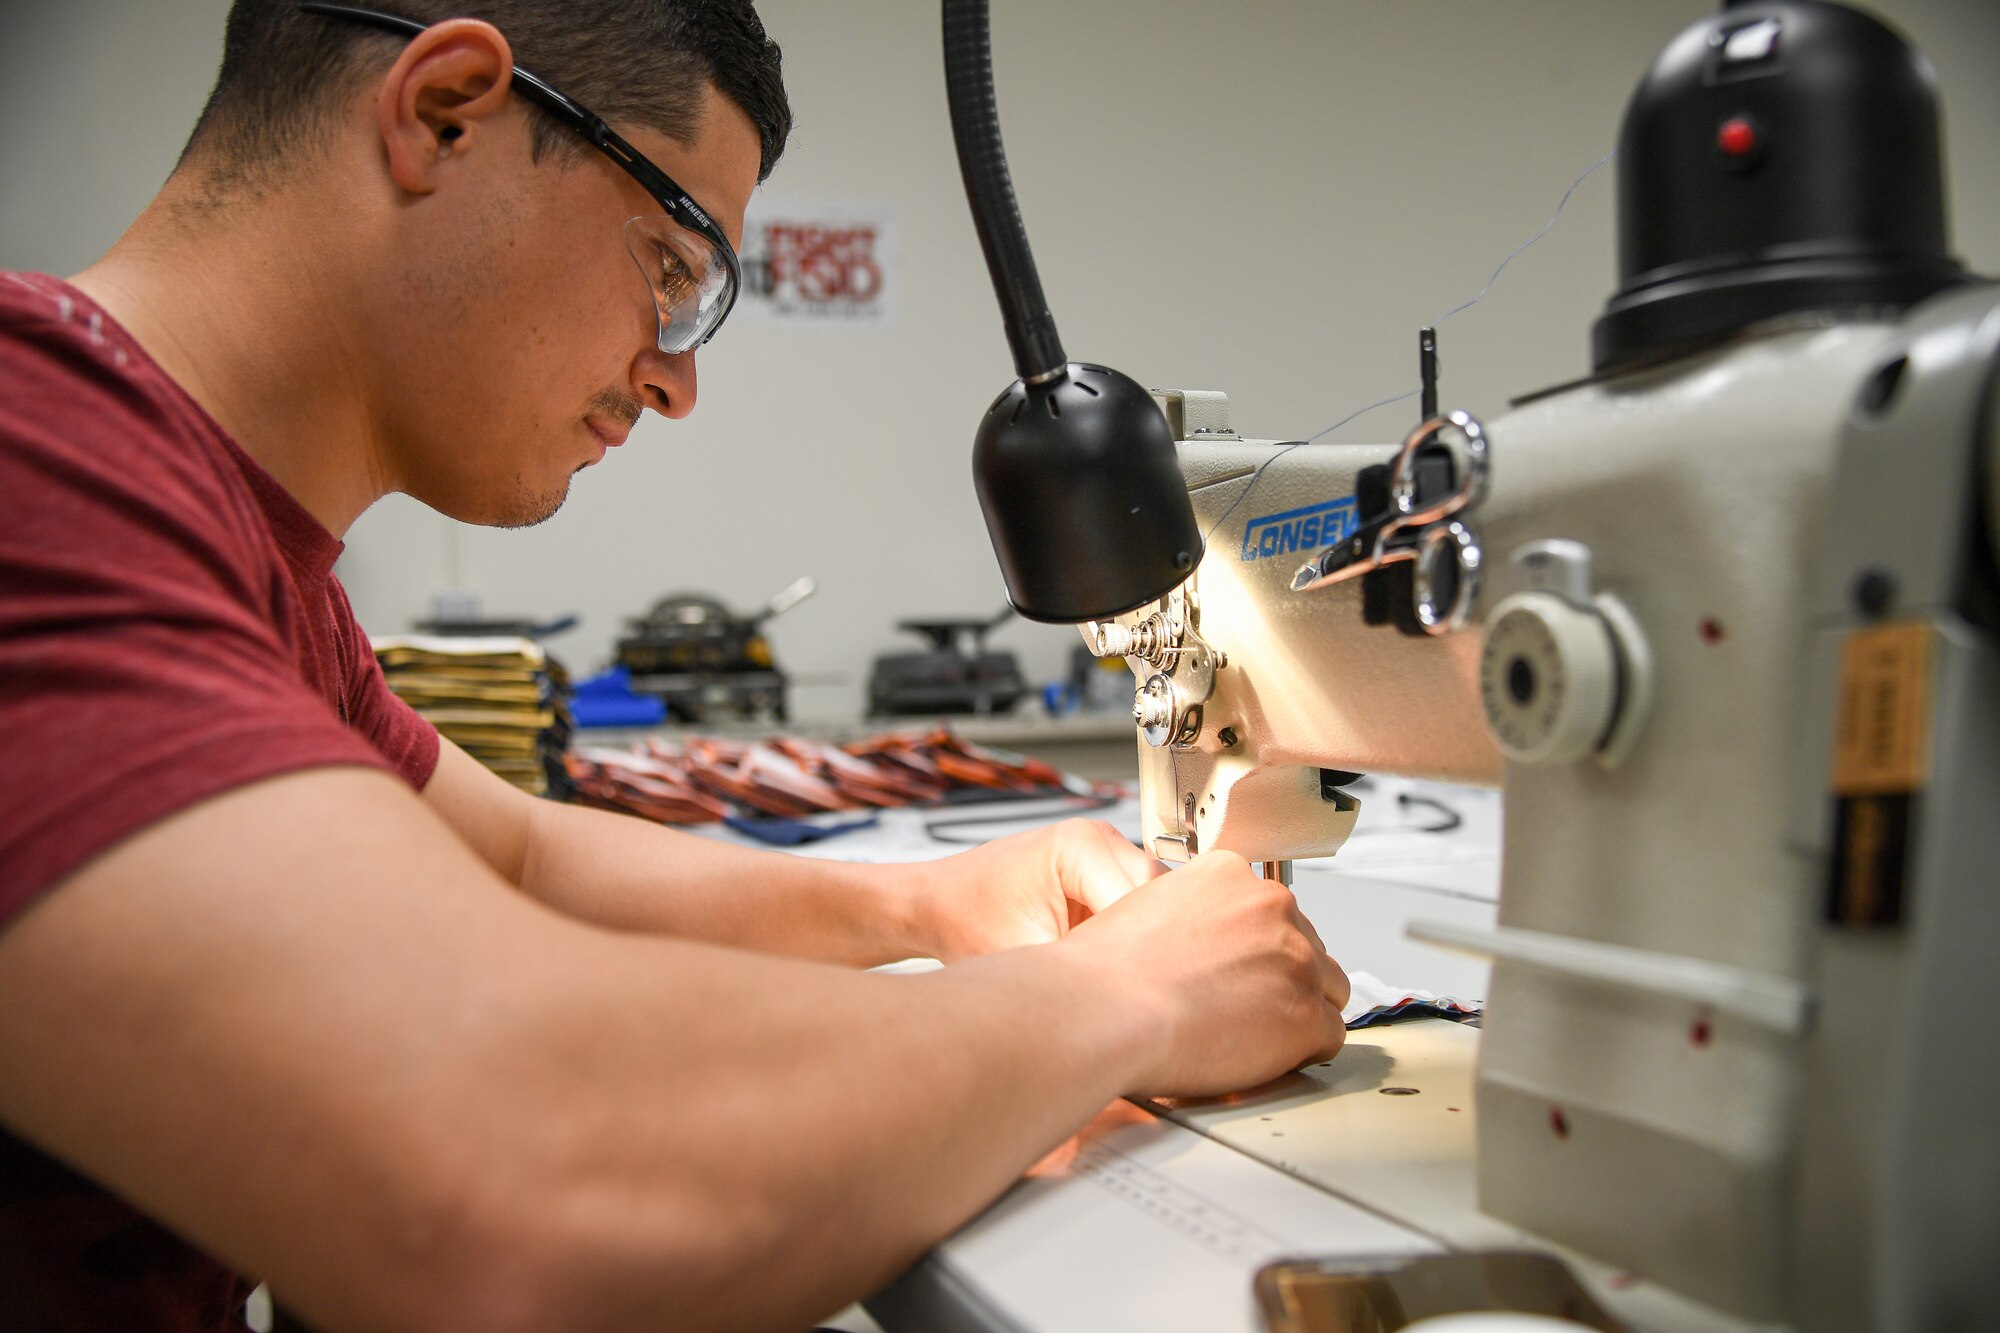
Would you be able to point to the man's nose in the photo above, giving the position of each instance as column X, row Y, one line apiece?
column 665, row 383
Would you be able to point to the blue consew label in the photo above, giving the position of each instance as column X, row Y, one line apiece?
column 1306, row 529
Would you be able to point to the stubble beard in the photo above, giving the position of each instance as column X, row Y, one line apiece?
column 528, row 510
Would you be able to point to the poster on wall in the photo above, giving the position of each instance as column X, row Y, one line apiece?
column 814, row 262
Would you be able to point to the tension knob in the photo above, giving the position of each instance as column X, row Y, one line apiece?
column 1548, row 678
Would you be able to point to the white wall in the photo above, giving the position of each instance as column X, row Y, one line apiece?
column 1260, row 196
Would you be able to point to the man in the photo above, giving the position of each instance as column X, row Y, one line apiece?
column 287, row 981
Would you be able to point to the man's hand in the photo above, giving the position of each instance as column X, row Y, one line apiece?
column 1235, row 983
column 1030, row 888
column 1240, row 986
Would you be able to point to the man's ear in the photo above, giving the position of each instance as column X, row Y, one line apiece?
column 449, row 85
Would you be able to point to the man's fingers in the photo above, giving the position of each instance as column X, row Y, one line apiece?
column 1336, row 1034
column 1135, row 863
column 1106, row 867
column 1333, row 982
column 1307, row 927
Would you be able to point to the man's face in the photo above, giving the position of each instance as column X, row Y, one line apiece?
column 527, row 340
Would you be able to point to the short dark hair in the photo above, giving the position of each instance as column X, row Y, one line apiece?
column 640, row 63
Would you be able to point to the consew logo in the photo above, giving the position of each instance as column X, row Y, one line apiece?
column 1306, row 529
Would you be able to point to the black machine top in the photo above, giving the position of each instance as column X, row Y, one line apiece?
column 1781, row 156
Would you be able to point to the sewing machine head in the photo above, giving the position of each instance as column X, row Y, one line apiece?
column 1720, row 619
column 1383, row 614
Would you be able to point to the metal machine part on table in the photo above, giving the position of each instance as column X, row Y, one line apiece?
column 517, row 627
column 1723, row 621
column 705, row 660
column 457, row 615
column 1382, row 1292
column 957, row 675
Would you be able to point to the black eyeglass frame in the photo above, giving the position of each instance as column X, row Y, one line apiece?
column 678, row 203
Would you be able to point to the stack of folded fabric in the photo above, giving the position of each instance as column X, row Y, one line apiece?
column 704, row 779
column 499, row 699
column 637, row 783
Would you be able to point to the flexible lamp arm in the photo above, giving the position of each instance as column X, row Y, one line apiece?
column 982, row 161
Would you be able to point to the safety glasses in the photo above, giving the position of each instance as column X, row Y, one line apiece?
column 688, row 263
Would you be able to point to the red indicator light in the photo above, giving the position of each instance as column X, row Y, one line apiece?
column 1736, row 137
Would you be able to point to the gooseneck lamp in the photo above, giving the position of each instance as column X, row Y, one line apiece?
column 1074, row 463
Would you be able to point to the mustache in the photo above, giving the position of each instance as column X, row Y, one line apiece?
column 620, row 406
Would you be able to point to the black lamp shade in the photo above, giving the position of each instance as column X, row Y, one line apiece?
column 1083, row 496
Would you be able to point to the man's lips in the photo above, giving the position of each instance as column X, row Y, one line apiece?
column 610, row 434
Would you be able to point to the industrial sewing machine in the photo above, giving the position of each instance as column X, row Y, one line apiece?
column 1722, row 621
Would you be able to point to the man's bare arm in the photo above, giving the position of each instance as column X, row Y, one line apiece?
column 299, row 1025
column 628, row 874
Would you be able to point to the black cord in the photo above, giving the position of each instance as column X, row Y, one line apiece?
column 1452, row 819
column 1074, row 805
column 1448, row 818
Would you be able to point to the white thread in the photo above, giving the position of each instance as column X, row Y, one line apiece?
column 1512, row 255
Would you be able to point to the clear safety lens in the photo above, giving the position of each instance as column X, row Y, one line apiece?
column 688, row 276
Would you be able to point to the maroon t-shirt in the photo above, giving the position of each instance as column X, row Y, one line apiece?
column 170, row 628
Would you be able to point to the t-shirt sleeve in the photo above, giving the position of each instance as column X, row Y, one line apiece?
column 395, row 729
column 142, row 667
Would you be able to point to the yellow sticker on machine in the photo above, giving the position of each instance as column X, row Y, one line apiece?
column 1881, row 754
column 1882, row 741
